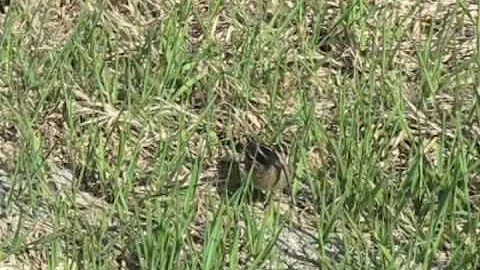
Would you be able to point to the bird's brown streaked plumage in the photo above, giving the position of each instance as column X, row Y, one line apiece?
column 269, row 170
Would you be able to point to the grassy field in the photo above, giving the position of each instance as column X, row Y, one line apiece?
column 114, row 115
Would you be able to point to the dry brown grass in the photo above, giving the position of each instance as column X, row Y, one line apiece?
column 422, row 56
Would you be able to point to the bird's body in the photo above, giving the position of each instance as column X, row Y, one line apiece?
column 269, row 172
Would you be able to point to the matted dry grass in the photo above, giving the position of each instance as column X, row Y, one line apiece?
column 220, row 86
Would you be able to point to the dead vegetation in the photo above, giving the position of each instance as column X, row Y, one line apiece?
column 138, row 97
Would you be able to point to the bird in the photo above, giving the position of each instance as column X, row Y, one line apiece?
column 267, row 166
